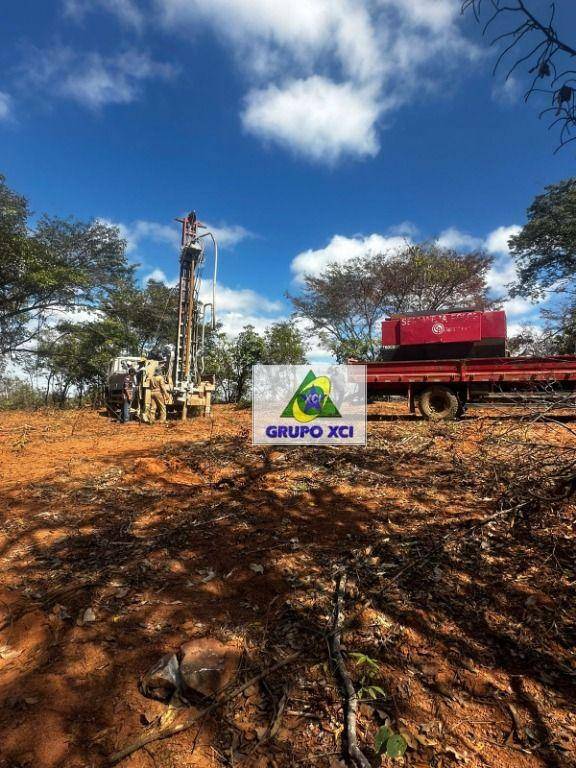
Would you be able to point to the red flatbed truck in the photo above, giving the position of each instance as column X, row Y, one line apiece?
column 438, row 362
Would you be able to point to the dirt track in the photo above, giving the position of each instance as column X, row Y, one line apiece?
column 156, row 529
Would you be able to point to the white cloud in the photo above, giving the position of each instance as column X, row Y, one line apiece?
column 324, row 73
column 5, row 106
column 341, row 249
column 229, row 236
column 407, row 228
column 500, row 276
column 315, row 117
column 503, row 272
column 167, row 234
column 126, row 10
column 507, row 92
column 518, row 307
column 91, row 79
column 291, row 35
column 139, row 231
column 238, row 307
column 497, row 240
column 455, row 239
column 160, row 277
column 245, row 300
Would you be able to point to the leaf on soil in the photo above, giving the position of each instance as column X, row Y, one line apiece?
column 396, row 746
column 456, row 755
column 382, row 736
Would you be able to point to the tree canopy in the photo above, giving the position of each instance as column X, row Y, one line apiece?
column 346, row 303
column 545, row 249
column 58, row 265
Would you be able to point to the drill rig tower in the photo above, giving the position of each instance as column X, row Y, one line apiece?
column 185, row 383
column 188, row 364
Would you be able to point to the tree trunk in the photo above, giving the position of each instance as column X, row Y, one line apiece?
column 48, row 383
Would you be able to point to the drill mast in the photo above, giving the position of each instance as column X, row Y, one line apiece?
column 190, row 312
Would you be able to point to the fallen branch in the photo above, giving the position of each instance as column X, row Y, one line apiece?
column 355, row 754
column 190, row 721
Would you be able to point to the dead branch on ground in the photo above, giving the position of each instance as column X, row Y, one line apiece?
column 355, row 754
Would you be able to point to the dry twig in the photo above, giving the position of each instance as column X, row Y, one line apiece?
column 355, row 754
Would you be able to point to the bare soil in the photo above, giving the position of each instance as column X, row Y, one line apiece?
column 179, row 531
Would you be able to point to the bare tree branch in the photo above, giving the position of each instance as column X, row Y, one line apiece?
column 542, row 57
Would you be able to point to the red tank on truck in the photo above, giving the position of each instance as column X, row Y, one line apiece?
column 442, row 362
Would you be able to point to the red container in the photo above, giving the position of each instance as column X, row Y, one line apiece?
column 446, row 328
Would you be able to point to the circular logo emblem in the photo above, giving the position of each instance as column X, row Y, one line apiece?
column 438, row 328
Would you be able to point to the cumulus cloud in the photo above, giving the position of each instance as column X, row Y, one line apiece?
column 243, row 300
column 229, row 236
column 500, row 276
column 341, row 249
column 497, row 241
column 140, row 231
column 503, row 271
column 238, row 307
column 5, row 106
column 159, row 276
column 407, row 228
column 315, row 117
column 91, row 79
column 137, row 232
column 324, row 73
column 455, row 239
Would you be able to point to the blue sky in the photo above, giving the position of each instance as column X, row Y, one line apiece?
column 302, row 132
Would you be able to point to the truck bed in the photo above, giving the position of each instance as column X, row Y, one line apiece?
column 474, row 370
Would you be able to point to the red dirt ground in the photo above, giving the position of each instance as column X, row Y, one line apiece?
column 159, row 529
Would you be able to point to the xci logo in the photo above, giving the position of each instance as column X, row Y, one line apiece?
column 294, row 405
column 312, row 400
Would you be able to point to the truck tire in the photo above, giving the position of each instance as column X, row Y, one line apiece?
column 438, row 403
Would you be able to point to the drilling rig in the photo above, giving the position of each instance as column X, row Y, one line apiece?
column 183, row 369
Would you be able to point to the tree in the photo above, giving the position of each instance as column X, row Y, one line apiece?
column 545, row 249
column 77, row 354
column 60, row 265
column 347, row 302
column 231, row 361
column 284, row 345
column 247, row 350
column 534, row 42
column 148, row 315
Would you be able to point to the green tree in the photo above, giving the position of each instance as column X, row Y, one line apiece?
column 231, row 361
column 59, row 265
column 247, row 350
column 545, row 248
column 347, row 302
column 284, row 344
column 76, row 355
column 148, row 315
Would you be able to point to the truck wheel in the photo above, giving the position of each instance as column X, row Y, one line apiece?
column 438, row 404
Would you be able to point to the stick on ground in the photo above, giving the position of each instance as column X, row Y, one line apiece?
column 355, row 754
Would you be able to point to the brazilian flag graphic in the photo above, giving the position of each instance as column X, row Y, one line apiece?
column 312, row 400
